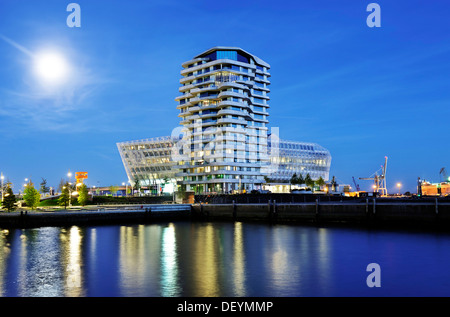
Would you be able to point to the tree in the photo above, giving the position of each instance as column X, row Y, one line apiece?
column 181, row 191
column 31, row 195
column 166, row 180
column 309, row 182
column 9, row 199
column 294, row 179
column 62, row 183
column 300, row 179
column 137, row 184
column 113, row 189
column 44, row 188
column 83, row 195
column 63, row 200
column 320, row 182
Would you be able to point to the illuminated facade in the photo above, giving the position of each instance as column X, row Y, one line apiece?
column 150, row 161
column 291, row 157
column 224, row 111
column 153, row 161
column 435, row 189
column 223, row 144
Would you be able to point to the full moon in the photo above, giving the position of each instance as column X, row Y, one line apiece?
column 51, row 67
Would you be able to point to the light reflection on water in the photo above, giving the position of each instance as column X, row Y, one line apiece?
column 219, row 259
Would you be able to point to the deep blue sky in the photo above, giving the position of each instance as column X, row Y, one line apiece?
column 363, row 93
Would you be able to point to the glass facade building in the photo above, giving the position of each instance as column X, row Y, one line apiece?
column 301, row 158
column 224, row 112
column 224, row 145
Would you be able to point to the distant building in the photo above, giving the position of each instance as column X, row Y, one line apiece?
column 301, row 158
column 435, row 189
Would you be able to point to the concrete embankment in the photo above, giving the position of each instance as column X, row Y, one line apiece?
column 369, row 212
column 99, row 216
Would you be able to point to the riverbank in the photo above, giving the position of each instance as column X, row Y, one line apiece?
column 371, row 212
column 428, row 213
column 101, row 215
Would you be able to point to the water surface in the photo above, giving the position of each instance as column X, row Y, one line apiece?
column 220, row 259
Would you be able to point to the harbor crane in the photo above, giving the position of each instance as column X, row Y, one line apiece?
column 356, row 185
column 443, row 172
column 379, row 179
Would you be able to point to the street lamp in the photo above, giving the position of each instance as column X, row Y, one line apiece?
column 399, row 185
column 126, row 188
column 70, row 194
column 69, row 174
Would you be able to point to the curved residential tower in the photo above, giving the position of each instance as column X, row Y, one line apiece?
column 224, row 110
column 223, row 144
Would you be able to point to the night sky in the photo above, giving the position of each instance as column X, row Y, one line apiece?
column 363, row 93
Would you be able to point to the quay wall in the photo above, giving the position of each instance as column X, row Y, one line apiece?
column 368, row 212
column 101, row 216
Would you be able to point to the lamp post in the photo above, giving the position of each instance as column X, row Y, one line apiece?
column 126, row 188
column 399, row 185
column 70, row 195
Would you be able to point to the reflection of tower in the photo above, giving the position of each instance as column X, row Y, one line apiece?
column 169, row 263
column 206, row 268
column 238, row 260
column 73, row 262
column 137, row 265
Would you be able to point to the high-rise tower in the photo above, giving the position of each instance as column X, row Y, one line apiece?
column 224, row 111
